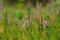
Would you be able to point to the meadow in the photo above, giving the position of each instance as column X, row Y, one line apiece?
column 14, row 28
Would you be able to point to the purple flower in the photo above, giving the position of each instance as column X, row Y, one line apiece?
column 1, row 4
column 46, row 23
column 36, row 14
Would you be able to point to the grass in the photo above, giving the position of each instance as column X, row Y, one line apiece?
column 34, row 31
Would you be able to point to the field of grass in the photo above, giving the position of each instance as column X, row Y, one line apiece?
column 20, row 30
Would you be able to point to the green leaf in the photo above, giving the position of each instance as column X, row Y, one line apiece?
column 19, row 14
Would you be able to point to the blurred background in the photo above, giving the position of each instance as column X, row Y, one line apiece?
column 29, row 19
